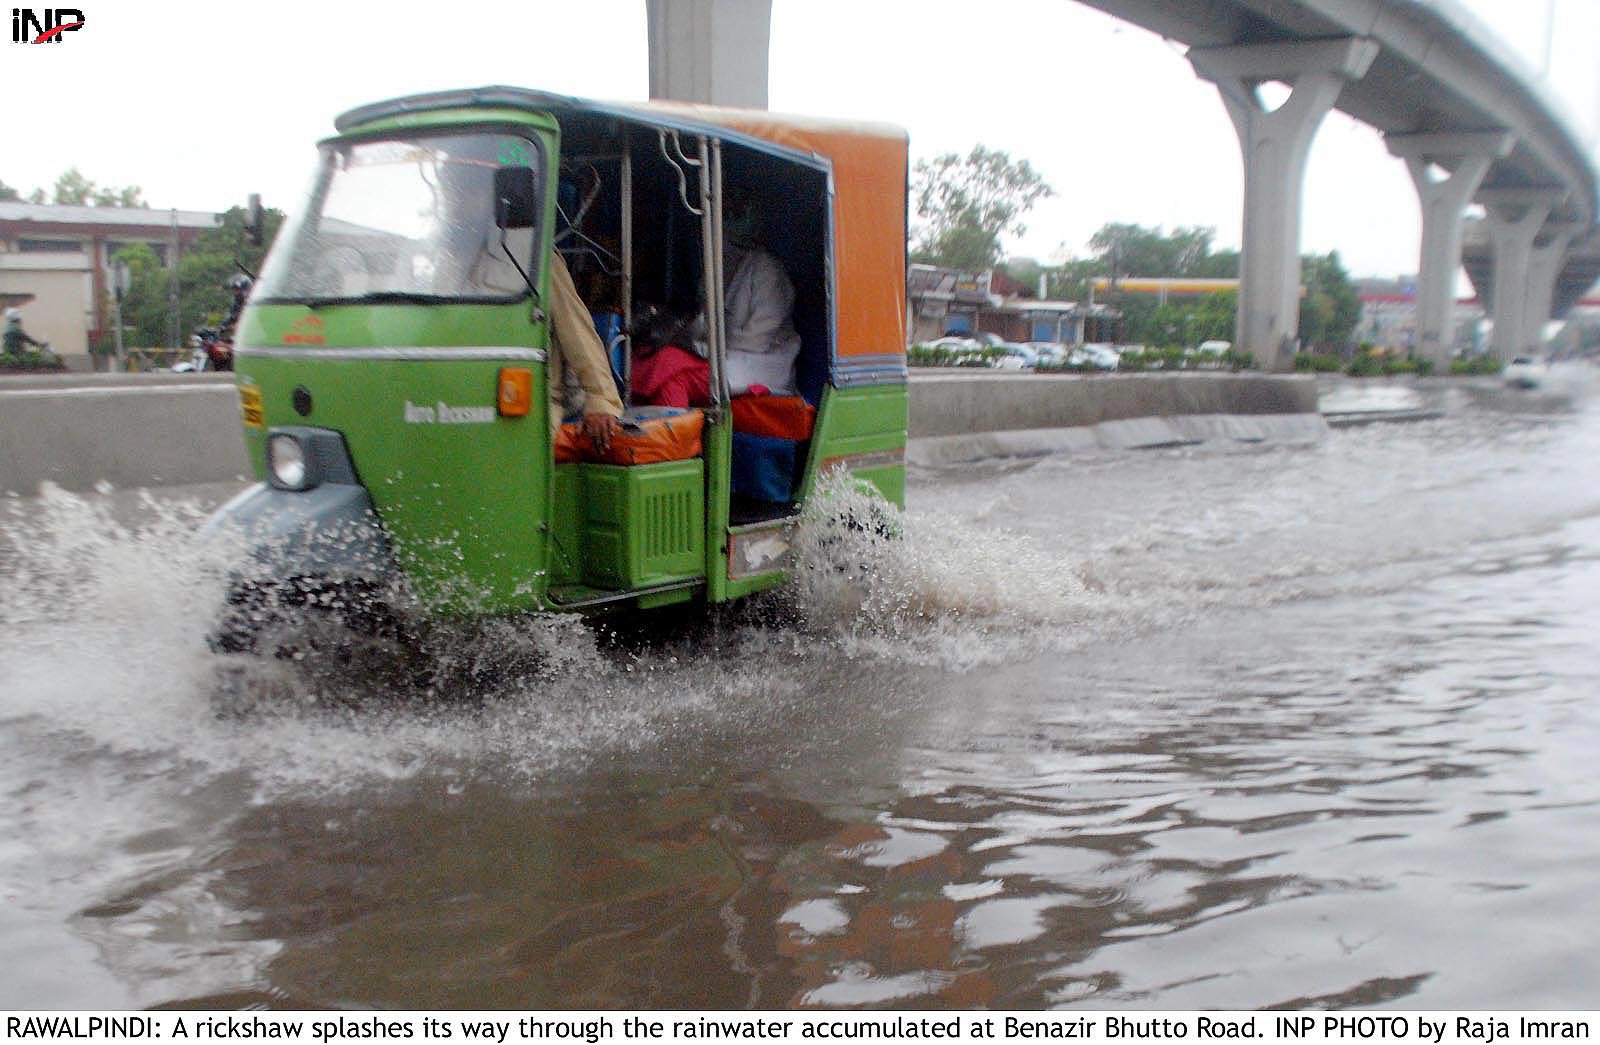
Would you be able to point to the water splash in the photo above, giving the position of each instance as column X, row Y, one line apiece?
column 931, row 588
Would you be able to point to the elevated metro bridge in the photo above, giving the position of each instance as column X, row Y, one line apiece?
column 1472, row 123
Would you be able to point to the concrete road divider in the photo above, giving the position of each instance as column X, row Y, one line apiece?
column 133, row 430
column 128, row 430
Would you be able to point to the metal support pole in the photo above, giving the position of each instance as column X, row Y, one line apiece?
column 627, row 271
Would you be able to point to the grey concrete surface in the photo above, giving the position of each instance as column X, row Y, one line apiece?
column 956, row 402
column 129, row 430
column 136, row 430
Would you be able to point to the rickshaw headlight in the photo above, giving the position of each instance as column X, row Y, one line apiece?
column 286, row 462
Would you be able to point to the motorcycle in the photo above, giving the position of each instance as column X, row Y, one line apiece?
column 208, row 351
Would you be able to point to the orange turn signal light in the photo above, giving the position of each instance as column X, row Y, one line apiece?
column 515, row 397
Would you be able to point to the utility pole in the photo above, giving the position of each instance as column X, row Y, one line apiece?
column 119, row 287
column 173, row 337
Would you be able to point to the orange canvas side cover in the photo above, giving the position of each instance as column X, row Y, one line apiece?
column 869, row 218
column 651, row 440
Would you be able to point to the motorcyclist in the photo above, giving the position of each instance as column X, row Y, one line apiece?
column 16, row 339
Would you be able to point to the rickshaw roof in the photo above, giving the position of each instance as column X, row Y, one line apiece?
column 766, row 128
column 867, row 165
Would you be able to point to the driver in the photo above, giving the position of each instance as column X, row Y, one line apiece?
column 576, row 347
column 17, row 339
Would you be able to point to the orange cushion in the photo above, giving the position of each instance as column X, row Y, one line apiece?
column 639, row 440
column 778, row 417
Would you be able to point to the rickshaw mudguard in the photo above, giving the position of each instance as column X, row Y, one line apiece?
column 330, row 532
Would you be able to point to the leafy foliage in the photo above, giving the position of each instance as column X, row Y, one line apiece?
column 969, row 202
column 1368, row 362
column 29, row 362
column 144, row 306
column 1134, row 250
column 73, row 188
column 1331, row 308
column 203, row 276
column 1318, row 363
column 1477, row 366
column 938, row 355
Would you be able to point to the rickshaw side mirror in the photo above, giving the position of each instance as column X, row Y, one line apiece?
column 516, row 202
column 255, row 220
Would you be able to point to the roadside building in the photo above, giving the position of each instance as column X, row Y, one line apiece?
column 948, row 301
column 1389, row 317
column 55, row 263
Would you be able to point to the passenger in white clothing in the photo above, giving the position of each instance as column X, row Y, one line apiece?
column 758, row 305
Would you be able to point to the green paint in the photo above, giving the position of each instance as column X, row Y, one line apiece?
column 869, row 425
column 718, row 440
column 481, row 518
column 643, row 525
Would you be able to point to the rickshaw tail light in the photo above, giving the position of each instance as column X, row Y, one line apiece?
column 515, row 398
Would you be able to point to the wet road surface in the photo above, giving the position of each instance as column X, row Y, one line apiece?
column 1199, row 727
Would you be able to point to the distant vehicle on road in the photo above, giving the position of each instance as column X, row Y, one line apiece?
column 1014, row 357
column 1048, row 353
column 1524, row 372
column 1214, row 348
column 1095, row 356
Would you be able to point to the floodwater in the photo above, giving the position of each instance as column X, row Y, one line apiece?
column 1216, row 726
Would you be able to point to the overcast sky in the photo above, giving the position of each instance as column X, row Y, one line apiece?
column 203, row 103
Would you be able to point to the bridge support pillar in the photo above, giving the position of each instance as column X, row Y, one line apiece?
column 1515, row 219
column 1275, row 145
column 1461, row 161
column 710, row 51
column 1545, row 261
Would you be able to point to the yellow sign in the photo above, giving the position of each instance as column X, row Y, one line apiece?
column 250, row 406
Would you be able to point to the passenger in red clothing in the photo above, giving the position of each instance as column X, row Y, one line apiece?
column 664, row 372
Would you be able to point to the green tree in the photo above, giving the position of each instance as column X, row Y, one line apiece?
column 74, row 188
column 1123, row 249
column 968, row 203
column 127, row 196
column 217, row 255
column 203, row 274
column 1025, row 271
column 1070, row 280
column 144, row 306
column 1135, row 250
column 7, row 193
column 1214, row 318
column 1331, row 308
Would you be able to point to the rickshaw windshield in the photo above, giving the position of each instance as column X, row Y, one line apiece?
column 405, row 219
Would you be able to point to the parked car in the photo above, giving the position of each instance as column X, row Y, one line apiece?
column 1048, row 353
column 1014, row 357
column 1095, row 356
column 1524, row 372
column 1214, row 348
column 955, row 343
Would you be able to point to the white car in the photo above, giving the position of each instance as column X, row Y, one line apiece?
column 1014, row 357
column 1095, row 356
column 1524, row 372
column 1048, row 353
column 954, row 343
